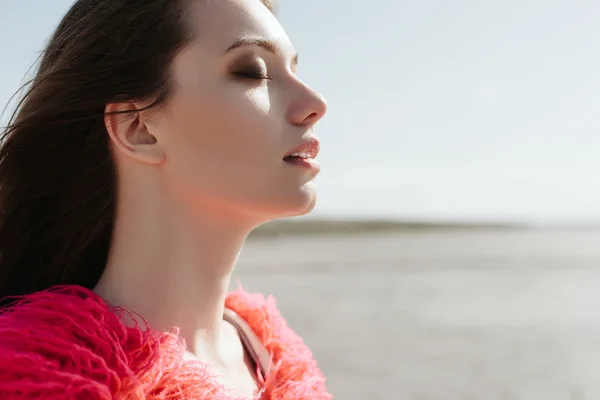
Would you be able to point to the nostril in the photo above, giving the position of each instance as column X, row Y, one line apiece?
column 311, row 117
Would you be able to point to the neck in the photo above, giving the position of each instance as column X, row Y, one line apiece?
column 173, row 266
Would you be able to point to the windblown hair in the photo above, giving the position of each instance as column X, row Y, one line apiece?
column 57, row 175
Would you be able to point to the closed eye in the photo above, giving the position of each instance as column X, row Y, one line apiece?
column 252, row 74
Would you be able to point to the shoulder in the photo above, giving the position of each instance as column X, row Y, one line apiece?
column 293, row 362
column 63, row 343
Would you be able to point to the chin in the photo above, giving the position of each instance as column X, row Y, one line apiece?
column 307, row 207
column 294, row 204
column 307, row 199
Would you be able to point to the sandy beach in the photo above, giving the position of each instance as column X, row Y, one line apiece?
column 465, row 315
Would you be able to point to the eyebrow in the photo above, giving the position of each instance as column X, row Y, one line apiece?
column 266, row 44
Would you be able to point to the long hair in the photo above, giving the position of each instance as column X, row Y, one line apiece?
column 57, row 174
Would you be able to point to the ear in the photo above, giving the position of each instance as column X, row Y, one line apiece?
column 130, row 135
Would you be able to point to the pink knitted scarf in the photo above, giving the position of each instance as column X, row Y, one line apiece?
column 66, row 343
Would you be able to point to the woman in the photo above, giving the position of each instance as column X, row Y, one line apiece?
column 155, row 136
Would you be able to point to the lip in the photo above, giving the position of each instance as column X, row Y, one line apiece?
column 309, row 163
column 310, row 145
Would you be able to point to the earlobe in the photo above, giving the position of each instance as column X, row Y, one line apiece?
column 130, row 135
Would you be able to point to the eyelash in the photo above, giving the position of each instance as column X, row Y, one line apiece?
column 252, row 74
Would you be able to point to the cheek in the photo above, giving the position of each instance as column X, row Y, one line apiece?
column 228, row 141
column 231, row 119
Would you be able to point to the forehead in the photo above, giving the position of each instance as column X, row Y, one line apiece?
column 220, row 23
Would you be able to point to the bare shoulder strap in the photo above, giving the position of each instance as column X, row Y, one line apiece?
column 255, row 348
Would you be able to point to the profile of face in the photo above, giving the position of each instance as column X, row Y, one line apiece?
column 237, row 133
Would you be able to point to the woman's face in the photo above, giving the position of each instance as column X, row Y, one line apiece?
column 237, row 111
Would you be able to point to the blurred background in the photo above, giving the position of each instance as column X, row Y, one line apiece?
column 453, row 253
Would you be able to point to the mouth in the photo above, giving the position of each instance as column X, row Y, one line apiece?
column 305, row 154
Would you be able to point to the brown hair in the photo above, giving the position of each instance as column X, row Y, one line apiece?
column 57, row 176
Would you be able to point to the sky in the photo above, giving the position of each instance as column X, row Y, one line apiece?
column 438, row 109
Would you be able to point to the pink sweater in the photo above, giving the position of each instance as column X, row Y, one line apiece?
column 66, row 343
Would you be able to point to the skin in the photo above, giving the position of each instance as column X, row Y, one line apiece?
column 198, row 174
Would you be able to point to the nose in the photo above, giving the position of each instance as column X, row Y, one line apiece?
column 310, row 106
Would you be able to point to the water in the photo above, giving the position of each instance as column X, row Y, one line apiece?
column 441, row 315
